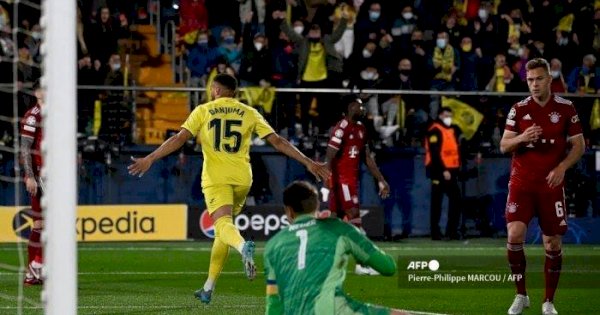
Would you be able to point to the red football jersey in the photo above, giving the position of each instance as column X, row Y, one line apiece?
column 349, row 139
column 31, row 126
column 531, row 163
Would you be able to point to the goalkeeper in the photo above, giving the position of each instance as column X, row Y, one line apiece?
column 305, row 263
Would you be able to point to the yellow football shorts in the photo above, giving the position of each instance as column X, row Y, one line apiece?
column 217, row 196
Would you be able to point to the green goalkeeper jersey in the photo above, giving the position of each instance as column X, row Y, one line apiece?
column 305, row 265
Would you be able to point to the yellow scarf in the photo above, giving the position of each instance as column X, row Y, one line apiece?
column 444, row 59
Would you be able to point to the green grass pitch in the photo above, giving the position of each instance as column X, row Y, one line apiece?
column 160, row 278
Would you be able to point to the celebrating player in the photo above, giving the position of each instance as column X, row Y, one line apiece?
column 225, row 127
column 305, row 263
column 346, row 148
column 538, row 132
column 31, row 156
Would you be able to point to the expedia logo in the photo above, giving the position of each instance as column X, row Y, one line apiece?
column 265, row 224
column 23, row 223
column 130, row 223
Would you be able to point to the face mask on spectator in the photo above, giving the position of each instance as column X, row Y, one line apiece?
column 228, row 40
column 374, row 15
column 314, row 39
column 405, row 72
column 555, row 74
column 366, row 53
column 447, row 121
column 2, row 21
column 483, row 14
column 563, row 41
column 368, row 75
column 467, row 47
column 203, row 41
column 441, row 43
column 517, row 20
column 298, row 29
column 36, row 35
column 258, row 46
column 407, row 15
column 417, row 42
column 115, row 66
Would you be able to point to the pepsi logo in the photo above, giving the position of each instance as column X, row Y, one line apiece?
column 206, row 224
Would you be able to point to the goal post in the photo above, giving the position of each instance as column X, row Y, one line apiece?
column 59, row 149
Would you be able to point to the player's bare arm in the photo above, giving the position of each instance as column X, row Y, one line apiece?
column 141, row 165
column 30, row 182
column 319, row 170
column 384, row 188
column 557, row 175
column 512, row 140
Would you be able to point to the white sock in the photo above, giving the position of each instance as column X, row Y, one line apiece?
column 209, row 285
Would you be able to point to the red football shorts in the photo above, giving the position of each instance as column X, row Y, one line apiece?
column 547, row 204
column 343, row 196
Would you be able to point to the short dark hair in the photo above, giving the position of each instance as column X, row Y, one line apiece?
column 348, row 99
column 538, row 63
column 227, row 81
column 444, row 110
column 301, row 196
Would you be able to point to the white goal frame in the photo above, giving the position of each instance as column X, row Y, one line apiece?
column 59, row 149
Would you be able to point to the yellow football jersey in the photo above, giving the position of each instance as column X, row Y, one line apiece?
column 225, row 127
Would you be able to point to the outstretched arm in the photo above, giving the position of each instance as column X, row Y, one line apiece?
column 319, row 170
column 141, row 165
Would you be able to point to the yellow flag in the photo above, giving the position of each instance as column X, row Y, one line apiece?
column 258, row 96
column 466, row 117
column 565, row 24
column 595, row 118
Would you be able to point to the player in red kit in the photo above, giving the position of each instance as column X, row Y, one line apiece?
column 539, row 130
column 345, row 151
column 31, row 156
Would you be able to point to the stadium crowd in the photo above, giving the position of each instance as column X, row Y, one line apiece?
column 378, row 44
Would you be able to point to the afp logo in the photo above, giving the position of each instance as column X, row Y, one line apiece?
column 432, row 265
column 23, row 223
column 206, row 224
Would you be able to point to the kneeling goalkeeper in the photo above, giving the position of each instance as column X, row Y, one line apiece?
column 305, row 263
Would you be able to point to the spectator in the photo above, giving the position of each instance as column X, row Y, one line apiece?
column 114, row 77
column 87, row 74
column 201, row 57
column 502, row 75
column 445, row 62
column 105, row 37
column 361, row 58
column 256, row 61
column 469, row 61
column 285, row 62
column 220, row 18
column 193, row 17
column 563, row 48
column 319, row 66
column 484, row 29
column 586, row 78
column 402, row 28
column 33, row 42
column 229, row 49
column 123, row 31
column 516, row 84
column 515, row 29
column 256, row 10
column 82, row 47
column 419, row 59
column 346, row 44
column 370, row 26
column 558, row 84
column 454, row 30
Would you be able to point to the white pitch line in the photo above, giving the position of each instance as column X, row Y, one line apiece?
column 422, row 313
column 141, row 273
column 133, row 307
